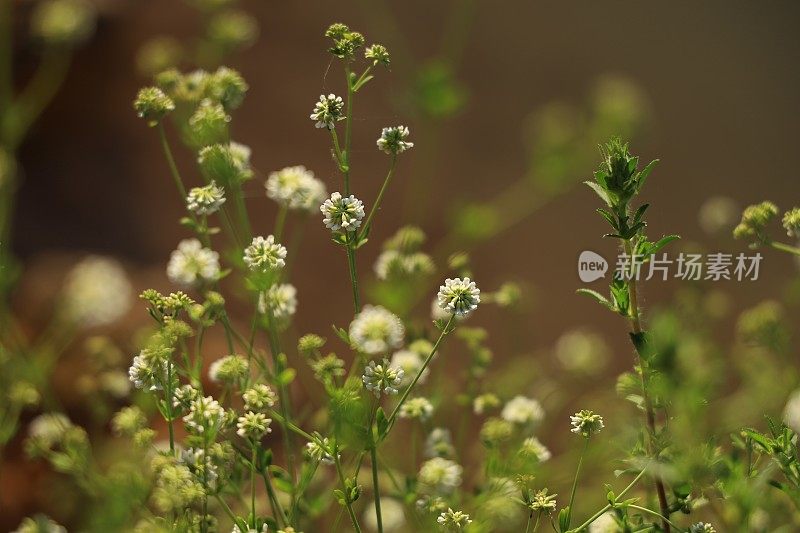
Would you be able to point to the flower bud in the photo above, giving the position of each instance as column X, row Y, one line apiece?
column 152, row 105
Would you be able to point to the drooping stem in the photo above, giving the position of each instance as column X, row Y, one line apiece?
column 650, row 417
column 785, row 248
column 378, row 200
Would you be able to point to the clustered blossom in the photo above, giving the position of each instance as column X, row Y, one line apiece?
column 264, row 529
column 484, row 402
column 393, row 140
column 318, row 451
column 205, row 200
column 791, row 222
column 454, row 519
column 459, row 296
column 192, row 263
column 264, row 254
column 532, row 447
column 259, row 397
column 440, row 475
column 228, row 369
column 541, row 502
column 342, row 213
column 754, row 222
column 586, row 423
column 280, row 301
column 148, row 370
column 152, row 105
column 382, row 378
column 378, row 54
column 328, row 111
column 439, row 443
column 183, row 396
column 49, row 428
column 420, row 408
column 296, row 188
column 522, row 410
column 394, row 263
column 97, row 292
column 253, row 426
column 205, row 415
column 411, row 363
column 200, row 464
column 375, row 330
column 702, row 527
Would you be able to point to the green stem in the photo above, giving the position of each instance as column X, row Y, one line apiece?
column 575, row 481
column 280, row 221
column 173, row 167
column 347, row 502
column 379, row 199
column 376, row 486
column 785, row 248
column 253, row 485
column 445, row 331
column 654, row 513
column 348, row 129
column 351, row 266
column 277, row 508
column 619, row 497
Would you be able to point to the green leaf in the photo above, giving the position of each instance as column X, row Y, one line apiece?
column 563, row 519
column 640, row 212
column 662, row 242
column 382, row 423
column 609, row 218
column 641, row 177
column 342, row 334
column 597, row 296
column 602, row 193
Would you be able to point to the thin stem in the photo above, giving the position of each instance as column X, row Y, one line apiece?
column 654, row 513
column 575, row 481
column 376, row 486
column 785, row 248
column 619, row 497
column 338, row 151
column 280, row 221
column 277, row 508
column 348, row 129
column 226, row 508
column 347, row 502
column 351, row 266
column 650, row 417
column 253, row 485
column 173, row 168
column 428, row 359
column 378, row 200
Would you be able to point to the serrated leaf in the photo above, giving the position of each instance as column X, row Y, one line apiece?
column 641, row 178
column 602, row 300
column 602, row 193
column 662, row 242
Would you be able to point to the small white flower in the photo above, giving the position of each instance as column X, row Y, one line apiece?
column 200, row 464
column 382, row 378
column 440, row 475
column 48, row 428
column 586, row 423
column 205, row 200
column 541, row 502
column 532, row 447
column 702, row 527
column 264, row 254
column 376, row 331
column 281, row 302
column 228, row 369
column 259, row 397
column 184, row 395
column 97, row 292
column 411, row 363
column 205, row 415
column 148, row 370
column 459, row 296
column 454, row 519
column 420, row 408
column 191, row 263
column 253, row 425
column 522, row 410
column 439, row 443
column 318, row 451
column 393, row 140
column 328, row 111
column 485, row 401
column 342, row 214
column 296, row 188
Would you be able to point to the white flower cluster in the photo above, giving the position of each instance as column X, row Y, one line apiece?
column 190, row 263
column 419, row 408
column 148, row 370
column 523, row 411
column 205, row 200
column 410, row 362
column 97, row 292
column 327, row 111
column 440, row 475
column 586, row 423
column 296, row 188
column 205, row 416
column 342, row 213
column 265, row 254
column 393, row 140
column 382, row 378
column 281, row 302
column 376, row 331
column 532, row 447
column 454, row 519
column 259, row 397
column 459, row 296
column 439, row 443
column 318, row 451
column 253, row 425
column 228, row 369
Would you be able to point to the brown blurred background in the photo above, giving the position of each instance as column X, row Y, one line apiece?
column 721, row 78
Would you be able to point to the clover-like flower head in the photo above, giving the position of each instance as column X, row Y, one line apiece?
column 191, row 263
column 586, row 423
column 296, row 188
column 459, row 296
column 328, row 111
column 152, row 105
column 454, row 519
column 342, row 213
column 205, row 200
column 376, row 330
column 265, row 254
column 393, row 140
column 382, row 378
column 253, row 425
